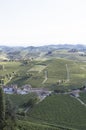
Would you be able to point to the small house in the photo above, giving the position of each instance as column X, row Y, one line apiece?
column 8, row 90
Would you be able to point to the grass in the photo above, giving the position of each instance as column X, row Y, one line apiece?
column 34, row 73
column 60, row 110
column 83, row 97
column 18, row 101
column 25, row 125
column 38, row 68
column 9, row 67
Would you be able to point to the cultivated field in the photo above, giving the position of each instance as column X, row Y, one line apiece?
column 60, row 110
column 56, row 112
column 59, row 72
column 83, row 97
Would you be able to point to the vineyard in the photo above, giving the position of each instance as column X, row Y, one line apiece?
column 34, row 73
column 60, row 110
column 57, row 111
column 25, row 125
column 83, row 97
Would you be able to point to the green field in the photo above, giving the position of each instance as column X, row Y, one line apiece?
column 34, row 73
column 83, row 97
column 18, row 101
column 56, row 112
column 25, row 125
column 60, row 110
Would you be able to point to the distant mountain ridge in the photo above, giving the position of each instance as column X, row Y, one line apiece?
column 13, row 53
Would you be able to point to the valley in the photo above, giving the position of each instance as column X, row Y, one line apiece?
column 48, row 86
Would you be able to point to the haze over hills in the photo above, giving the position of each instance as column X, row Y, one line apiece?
column 12, row 53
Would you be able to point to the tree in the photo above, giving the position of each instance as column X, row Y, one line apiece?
column 10, row 115
column 2, row 110
column 7, row 116
column 31, row 102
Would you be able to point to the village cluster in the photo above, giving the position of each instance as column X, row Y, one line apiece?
column 42, row 93
column 13, row 89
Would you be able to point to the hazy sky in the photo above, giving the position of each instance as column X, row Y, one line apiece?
column 38, row 22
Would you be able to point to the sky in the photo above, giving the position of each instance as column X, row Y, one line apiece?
column 42, row 22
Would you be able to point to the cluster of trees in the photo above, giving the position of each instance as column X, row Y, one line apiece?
column 7, row 113
column 8, row 117
column 31, row 102
column 5, row 77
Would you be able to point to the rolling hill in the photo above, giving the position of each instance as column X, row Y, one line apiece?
column 60, row 68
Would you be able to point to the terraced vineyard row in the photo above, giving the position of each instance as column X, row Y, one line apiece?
column 25, row 125
column 60, row 110
column 34, row 73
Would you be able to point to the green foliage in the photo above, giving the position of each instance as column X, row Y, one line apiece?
column 22, row 102
column 10, row 110
column 7, row 120
column 19, row 100
column 31, row 102
column 9, row 125
column 2, row 109
column 10, row 116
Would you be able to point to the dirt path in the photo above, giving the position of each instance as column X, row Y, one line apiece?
column 81, row 101
column 46, row 77
column 44, row 80
column 68, row 77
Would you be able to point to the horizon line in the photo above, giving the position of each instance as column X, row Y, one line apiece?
column 74, row 44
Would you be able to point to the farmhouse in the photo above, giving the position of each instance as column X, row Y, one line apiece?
column 26, row 88
column 20, row 91
column 13, row 89
column 10, row 89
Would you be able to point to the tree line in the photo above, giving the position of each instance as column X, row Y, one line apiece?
column 7, row 113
